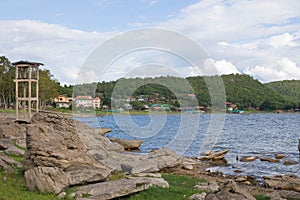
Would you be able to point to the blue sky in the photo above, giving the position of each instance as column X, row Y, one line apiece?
column 258, row 37
column 93, row 15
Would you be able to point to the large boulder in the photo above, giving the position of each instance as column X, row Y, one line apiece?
column 128, row 144
column 118, row 188
column 55, row 152
column 155, row 161
column 9, row 129
column 286, row 182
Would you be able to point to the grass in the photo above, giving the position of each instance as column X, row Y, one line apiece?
column 261, row 197
column 7, row 111
column 18, row 158
column 116, row 176
column 12, row 187
column 18, row 146
column 181, row 187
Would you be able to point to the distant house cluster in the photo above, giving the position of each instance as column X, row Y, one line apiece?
column 62, row 101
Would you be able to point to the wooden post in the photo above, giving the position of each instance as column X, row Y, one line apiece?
column 17, row 93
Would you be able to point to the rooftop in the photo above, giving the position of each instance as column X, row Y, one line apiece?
column 22, row 62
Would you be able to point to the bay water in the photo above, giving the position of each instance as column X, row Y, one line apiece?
column 243, row 134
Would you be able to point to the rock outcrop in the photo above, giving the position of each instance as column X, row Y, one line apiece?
column 248, row 158
column 56, row 157
column 128, row 144
column 7, row 163
column 62, row 152
column 230, row 190
column 102, row 131
column 118, row 188
column 286, row 182
column 269, row 160
column 210, row 186
column 215, row 155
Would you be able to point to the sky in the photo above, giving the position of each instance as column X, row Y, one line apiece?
column 256, row 37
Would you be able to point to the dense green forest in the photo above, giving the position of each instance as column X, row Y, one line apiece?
column 289, row 89
column 241, row 89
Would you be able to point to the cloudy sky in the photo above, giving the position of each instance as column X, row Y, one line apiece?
column 256, row 37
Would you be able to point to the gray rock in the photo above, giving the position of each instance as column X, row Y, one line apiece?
column 55, row 152
column 9, row 146
column 290, row 162
column 102, row 131
column 21, row 142
column 128, row 144
column 5, row 143
column 15, row 151
column 230, row 191
column 187, row 166
column 198, row 196
column 215, row 155
column 7, row 164
column 118, row 188
column 67, row 152
column 46, row 179
column 210, row 186
column 155, row 161
column 152, row 175
column 286, row 182
column 9, row 129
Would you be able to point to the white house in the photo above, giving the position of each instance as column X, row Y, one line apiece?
column 87, row 102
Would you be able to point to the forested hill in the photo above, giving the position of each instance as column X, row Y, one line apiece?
column 289, row 89
column 241, row 89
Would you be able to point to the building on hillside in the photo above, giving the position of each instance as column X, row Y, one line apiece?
column 87, row 102
column 62, row 101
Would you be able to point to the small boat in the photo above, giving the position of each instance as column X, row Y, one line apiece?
column 236, row 111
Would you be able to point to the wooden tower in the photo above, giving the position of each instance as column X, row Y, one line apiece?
column 27, row 89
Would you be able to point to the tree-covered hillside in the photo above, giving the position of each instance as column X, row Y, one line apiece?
column 248, row 92
column 289, row 89
column 241, row 89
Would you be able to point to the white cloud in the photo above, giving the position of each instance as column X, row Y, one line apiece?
column 220, row 67
column 62, row 50
column 247, row 33
column 277, row 41
column 284, row 69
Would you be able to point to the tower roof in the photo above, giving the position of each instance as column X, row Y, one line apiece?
column 22, row 62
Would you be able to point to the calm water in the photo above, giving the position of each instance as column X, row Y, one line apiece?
column 243, row 135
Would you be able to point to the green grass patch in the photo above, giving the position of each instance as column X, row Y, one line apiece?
column 18, row 146
column 12, row 187
column 117, row 176
column 18, row 158
column 181, row 187
column 261, row 197
column 7, row 111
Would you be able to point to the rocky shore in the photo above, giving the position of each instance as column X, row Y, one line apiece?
column 60, row 152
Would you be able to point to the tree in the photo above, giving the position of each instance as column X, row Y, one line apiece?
column 7, row 85
column 138, row 105
column 48, row 88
